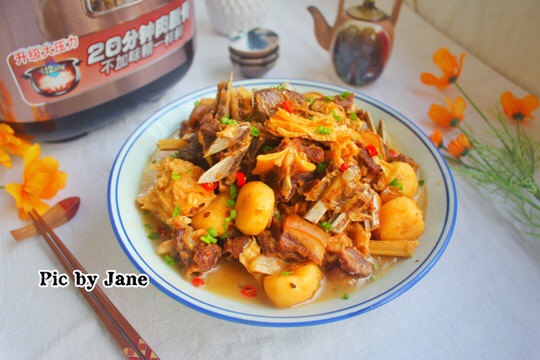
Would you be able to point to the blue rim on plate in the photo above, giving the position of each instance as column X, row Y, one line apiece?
column 126, row 222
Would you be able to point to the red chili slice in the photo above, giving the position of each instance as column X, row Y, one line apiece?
column 372, row 150
column 197, row 282
column 287, row 105
column 392, row 152
column 240, row 179
column 210, row 186
column 249, row 291
column 344, row 167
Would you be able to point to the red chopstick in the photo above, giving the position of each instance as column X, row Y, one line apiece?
column 125, row 336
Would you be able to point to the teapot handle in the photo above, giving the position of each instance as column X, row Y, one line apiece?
column 395, row 11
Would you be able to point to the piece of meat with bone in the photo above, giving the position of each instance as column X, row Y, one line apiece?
column 345, row 195
column 303, row 237
column 229, row 160
column 205, row 258
column 194, row 256
column 283, row 249
column 204, row 107
column 373, row 170
column 313, row 152
column 193, row 150
column 268, row 101
column 353, row 263
column 288, row 169
column 208, row 131
column 236, row 246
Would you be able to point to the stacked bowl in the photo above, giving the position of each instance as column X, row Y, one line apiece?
column 254, row 52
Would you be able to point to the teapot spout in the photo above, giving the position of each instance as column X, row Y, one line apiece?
column 395, row 11
column 323, row 31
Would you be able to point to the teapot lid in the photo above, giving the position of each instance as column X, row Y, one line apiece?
column 367, row 11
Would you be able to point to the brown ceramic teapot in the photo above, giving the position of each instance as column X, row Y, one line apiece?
column 360, row 41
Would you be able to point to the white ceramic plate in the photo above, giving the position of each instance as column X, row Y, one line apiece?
column 440, row 216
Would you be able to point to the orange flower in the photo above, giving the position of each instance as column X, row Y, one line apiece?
column 449, row 65
column 518, row 109
column 460, row 146
column 451, row 115
column 41, row 180
column 10, row 144
column 437, row 138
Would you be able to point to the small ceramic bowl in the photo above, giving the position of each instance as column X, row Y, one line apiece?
column 255, row 61
column 253, row 43
column 253, row 71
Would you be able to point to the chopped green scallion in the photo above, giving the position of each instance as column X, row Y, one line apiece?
column 169, row 260
column 196, row 103
column 208, row 239
column 321, row 130
column 396, row 183
column 336, row 116
column 310, row 118
column 176, row 212
column 175, row 176
column 254, row 131
column 212, row 232
column 346, row 296
column 421, row 182
column 148, row 226
column 326, row 226
column 310, row 101
column 153, row 235
column 344, row 95
column 233, row 192
column 285, row 273
column 223, row 236
column 328, row 98
column 175, row 155
column 227, row 121
column 321, row 167
column 281, row 86
column 353, row 116
column 232, row 214
column 231, row 203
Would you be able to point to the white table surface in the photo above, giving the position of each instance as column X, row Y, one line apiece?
column 481, row 300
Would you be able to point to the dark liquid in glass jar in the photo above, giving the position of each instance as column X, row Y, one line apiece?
column 78, row 124
column 359, row 55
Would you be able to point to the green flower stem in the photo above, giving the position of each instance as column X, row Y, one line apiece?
column 481, row 114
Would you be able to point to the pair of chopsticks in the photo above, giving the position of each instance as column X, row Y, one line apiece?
column 125, row 336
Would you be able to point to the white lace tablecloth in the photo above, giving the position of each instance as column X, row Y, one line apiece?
column 481, row 300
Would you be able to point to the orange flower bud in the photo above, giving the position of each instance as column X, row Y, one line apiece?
column 459, row 146
column 437, row 138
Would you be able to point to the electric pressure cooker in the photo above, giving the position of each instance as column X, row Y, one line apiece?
column 70, row 66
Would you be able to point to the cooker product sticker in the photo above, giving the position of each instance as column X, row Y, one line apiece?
column 72, row 65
